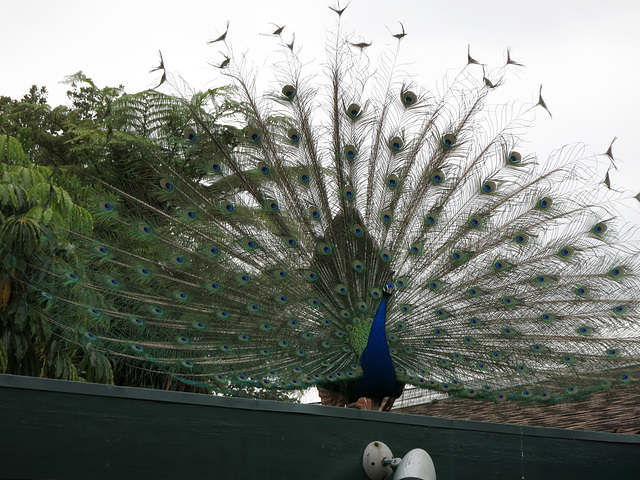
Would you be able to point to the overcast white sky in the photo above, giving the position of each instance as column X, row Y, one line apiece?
column 585, row 53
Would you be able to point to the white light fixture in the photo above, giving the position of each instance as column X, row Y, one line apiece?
column 379, row 464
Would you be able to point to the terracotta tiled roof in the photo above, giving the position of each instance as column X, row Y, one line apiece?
column 615, row 410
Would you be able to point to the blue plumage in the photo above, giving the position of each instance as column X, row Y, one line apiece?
column 378, row 373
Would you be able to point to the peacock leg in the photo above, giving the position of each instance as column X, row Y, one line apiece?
column 387, row 404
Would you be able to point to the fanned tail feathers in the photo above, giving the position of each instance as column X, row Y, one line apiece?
column 263, row 263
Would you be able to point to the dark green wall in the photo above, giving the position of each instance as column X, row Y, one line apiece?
column 61, row 430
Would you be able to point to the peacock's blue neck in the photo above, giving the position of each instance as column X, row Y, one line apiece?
column 379, row 376
column 378, row 334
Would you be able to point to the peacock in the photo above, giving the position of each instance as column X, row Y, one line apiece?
column 361, row 234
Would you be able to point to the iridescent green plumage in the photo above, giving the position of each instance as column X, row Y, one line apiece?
column 513, row 277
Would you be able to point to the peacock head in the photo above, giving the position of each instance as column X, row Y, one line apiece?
column 388, row 288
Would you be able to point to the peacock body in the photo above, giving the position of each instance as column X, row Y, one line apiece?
column 364, row 234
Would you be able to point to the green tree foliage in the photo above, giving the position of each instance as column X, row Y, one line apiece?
column 34, row 210
column 53, row 163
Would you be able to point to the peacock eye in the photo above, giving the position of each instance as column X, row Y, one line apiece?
column 190, row 135
column 475, row 221
column 393, row 181
column 350, row 152
column 289, row 92
column 315, row 213
column 264, row 168
column 514, row 158
column 437, row 177
column 293, row 135
column 489, row 186
column 354, row 110
column 431, row 219
column 253, row 135
column 599, row 228
column 408, row 98
column 545, row 202
column 396, row 144
column 449, row 140
column 303, row 176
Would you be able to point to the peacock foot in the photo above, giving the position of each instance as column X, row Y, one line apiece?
column 363, row 403
column 366, row 403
